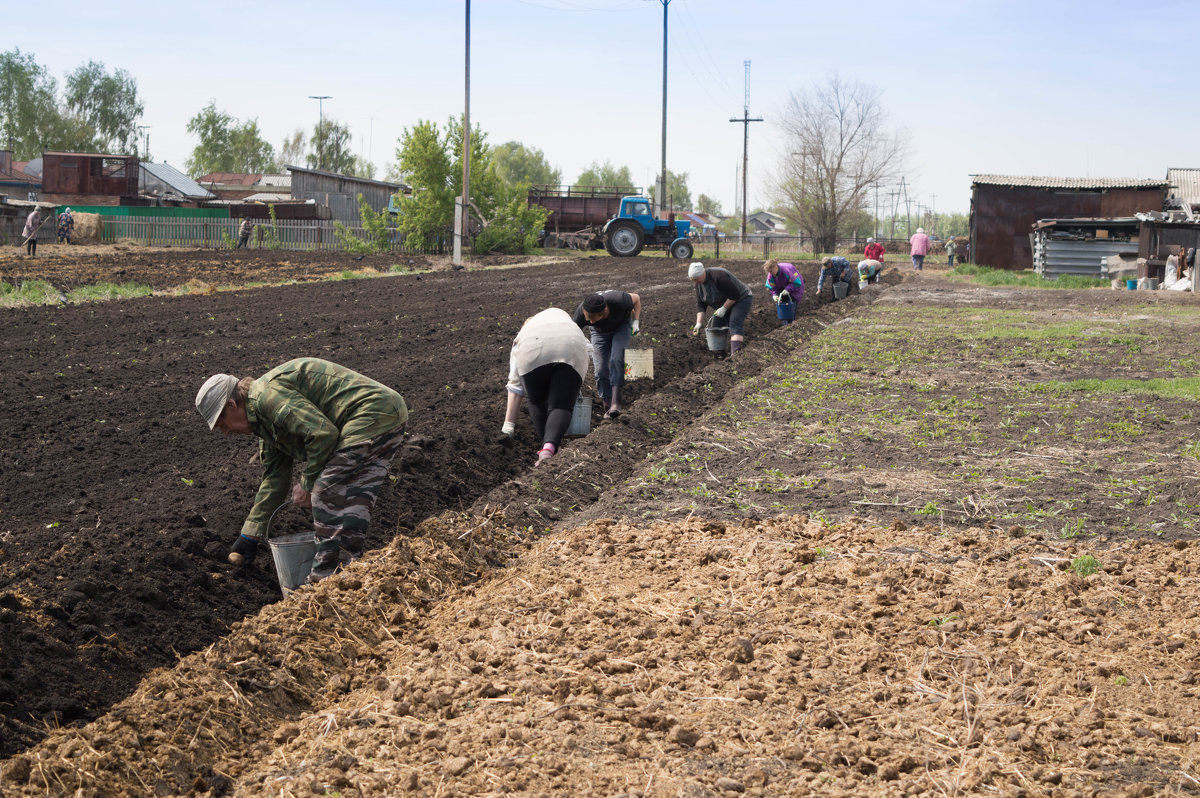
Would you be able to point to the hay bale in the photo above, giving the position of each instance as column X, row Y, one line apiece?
column 88, row 227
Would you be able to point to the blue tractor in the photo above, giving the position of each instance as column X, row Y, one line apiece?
column 634, row 228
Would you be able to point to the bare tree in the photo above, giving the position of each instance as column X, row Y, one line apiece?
column 838, row 148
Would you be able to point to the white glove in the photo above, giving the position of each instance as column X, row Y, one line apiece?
column 696, row 328
column 637, row 326
column 720, row 314
column 508, row 428
column 778, row 298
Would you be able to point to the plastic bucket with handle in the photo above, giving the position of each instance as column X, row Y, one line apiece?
column 786, row 309
column 293, row 555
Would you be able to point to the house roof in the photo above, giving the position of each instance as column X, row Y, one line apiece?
column 176, row 181
column 1029, row 181
column 229, row 179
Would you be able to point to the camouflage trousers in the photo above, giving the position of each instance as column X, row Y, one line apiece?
column 344, row 494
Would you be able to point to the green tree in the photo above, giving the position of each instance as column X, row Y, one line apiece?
column 606, row 175
column 107, row 103
column 707, row 205
column 430, row 160
column 27, row 104
column 678, row 196
column 516, row 164
column 331, row 148
column 225, row 145
column 291, row 151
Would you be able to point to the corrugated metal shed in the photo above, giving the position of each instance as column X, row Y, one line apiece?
column 1026, row 181
column 161, row 178
column 1082, row 246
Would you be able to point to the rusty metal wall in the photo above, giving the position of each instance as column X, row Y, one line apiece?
column 85, row 174
column 1002, row 217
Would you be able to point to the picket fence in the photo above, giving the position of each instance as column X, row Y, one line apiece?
column 285, row 234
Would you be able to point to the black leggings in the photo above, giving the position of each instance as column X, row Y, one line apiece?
column 31, row 247
column 551, row 391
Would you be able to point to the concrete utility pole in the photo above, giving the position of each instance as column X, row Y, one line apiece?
column 461, row 229
column 746, row 120
column 660, row 195
column 320, row 98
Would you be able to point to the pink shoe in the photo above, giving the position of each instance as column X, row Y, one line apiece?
column 545, row 453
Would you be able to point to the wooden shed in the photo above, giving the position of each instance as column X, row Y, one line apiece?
column 340, row 192
column 1005, row 208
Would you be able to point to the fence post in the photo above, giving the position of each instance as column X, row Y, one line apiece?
column 717, row 238
column 766, row 247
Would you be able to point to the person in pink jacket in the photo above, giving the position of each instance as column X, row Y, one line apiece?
column 919, row 245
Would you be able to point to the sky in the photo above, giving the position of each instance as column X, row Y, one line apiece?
column 1056, row 87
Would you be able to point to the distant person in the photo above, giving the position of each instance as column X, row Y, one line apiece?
column 66, row 226
column 33, row 223
column 869, row 272
column 919, row 247
column 344, row 427
column 836, row 270
column 873, row 251
column 546, row 366
column 951, row 248
column 615, row 317
column 244, row 231
column 717, row 288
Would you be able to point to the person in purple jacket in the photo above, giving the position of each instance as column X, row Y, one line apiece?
column 717, row 288
column 784, row 281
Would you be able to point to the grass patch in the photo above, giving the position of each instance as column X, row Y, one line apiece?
column 27, row 292
column 102, row 292
column 986, row 275
column 1167, row 388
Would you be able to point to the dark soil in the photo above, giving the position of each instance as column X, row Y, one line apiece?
column 117, row 507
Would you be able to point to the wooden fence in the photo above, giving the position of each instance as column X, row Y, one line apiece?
column 285, row 234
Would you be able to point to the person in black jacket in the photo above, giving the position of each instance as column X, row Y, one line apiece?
column 719, row 289
column 615, row 317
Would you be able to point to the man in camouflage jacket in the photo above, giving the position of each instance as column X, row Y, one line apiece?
column 344, row 427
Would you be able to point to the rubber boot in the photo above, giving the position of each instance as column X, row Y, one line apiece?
column 734, row 346
column 614, row 407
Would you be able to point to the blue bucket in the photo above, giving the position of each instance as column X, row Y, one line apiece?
column 1131, row 285
column 786, row 310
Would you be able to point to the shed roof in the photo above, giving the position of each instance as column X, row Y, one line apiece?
column 393, row 186
column 1184, row 184
column 177, row 180
column 1031, row 181
column 230, row 178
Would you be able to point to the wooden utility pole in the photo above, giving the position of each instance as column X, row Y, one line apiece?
column 746, row 120
column 461, row 230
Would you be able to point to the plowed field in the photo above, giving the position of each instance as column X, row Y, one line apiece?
column 853, row 560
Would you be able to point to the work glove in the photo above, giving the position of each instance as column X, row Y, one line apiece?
column 508, row 428
column 243, row 551
column 637, row 326
column 778, row 298
column 696, row 328
column 720, row 314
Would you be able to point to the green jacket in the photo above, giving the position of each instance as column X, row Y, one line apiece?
column 304, row 411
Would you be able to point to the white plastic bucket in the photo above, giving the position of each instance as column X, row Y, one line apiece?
column 639, row 364
column 293, row 556
column 581, row 418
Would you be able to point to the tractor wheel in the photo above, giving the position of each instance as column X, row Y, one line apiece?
column 681, row 249
column 625, row 239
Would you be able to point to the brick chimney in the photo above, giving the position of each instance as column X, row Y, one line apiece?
column 6, row 162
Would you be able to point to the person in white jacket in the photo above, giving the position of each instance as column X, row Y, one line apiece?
column 546, row 367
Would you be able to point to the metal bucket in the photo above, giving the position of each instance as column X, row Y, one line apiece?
column 293, row 556
column 840, row 289
column 786, row 309
column 1152, row 283
column 581, row 417
column 718, row 338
